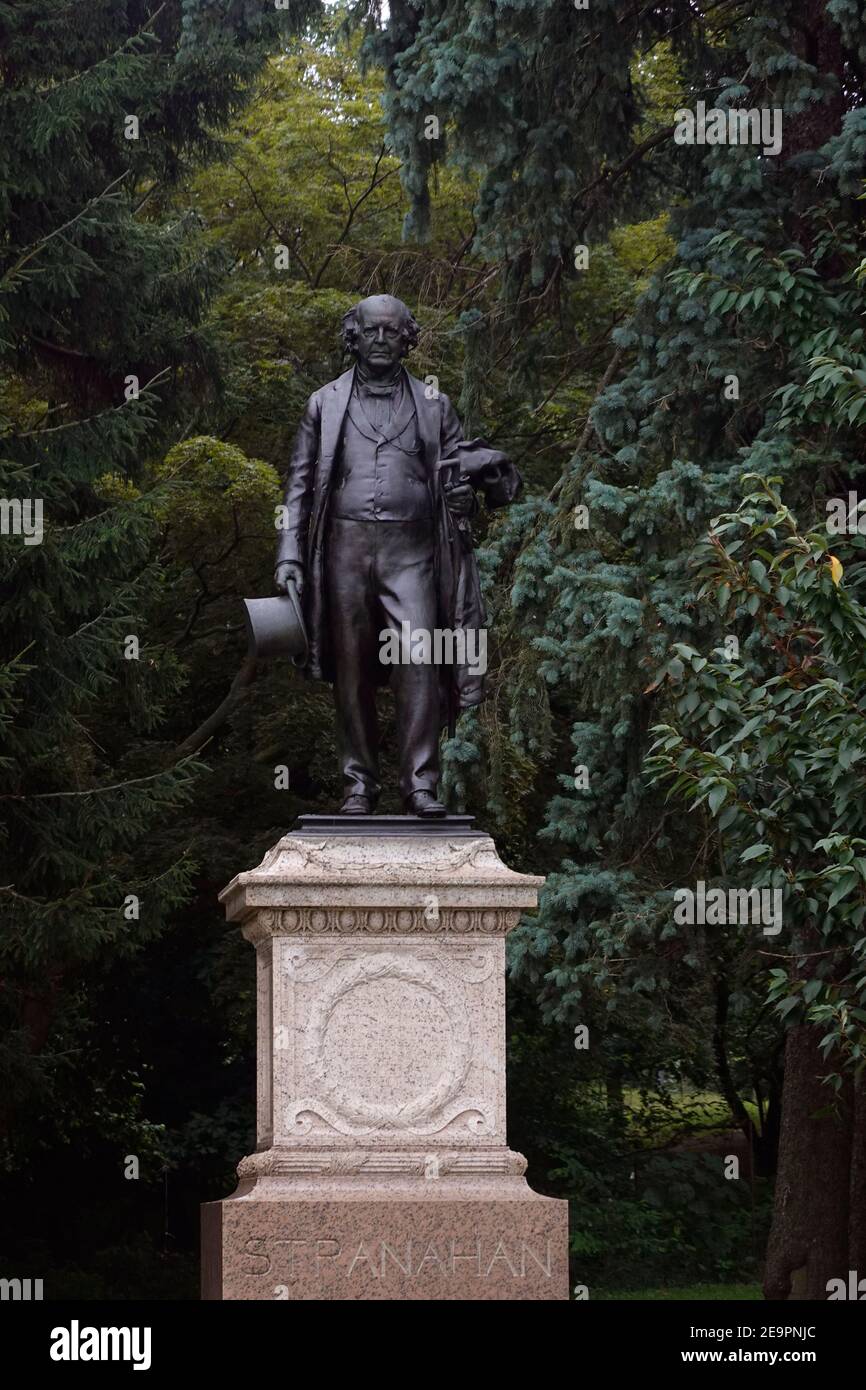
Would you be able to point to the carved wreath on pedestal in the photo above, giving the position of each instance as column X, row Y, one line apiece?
column 350, row 1113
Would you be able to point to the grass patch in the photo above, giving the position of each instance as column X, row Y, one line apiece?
column 703, row 1293
column 655, row 1120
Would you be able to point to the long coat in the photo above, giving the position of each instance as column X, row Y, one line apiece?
column 447, row 455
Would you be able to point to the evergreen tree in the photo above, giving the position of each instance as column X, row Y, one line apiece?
column 706, row 382
column 104, row 359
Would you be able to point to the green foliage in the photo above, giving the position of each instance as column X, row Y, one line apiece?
column 104, row 357
column 762, row 282
column 742, row 355
column 537, row 128
column 775, row 755
column 681, row 1219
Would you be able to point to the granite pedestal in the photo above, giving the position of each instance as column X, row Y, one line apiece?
column 382, row 1169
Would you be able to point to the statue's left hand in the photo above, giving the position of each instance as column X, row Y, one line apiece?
column 460, row 498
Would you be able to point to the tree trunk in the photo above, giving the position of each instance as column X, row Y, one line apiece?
column 767, row 1142
column 237, row 690
column 723, row 1069
column 813, row 1218
column 857, row 1201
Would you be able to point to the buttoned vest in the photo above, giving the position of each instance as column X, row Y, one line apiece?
column 381, row 475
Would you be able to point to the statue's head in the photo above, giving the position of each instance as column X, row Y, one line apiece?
column 379, row 331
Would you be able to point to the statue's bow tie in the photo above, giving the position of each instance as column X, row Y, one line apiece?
column 387, row 390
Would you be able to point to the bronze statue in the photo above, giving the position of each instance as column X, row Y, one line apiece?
column 377, row 543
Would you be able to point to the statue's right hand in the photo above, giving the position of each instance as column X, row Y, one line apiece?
column 289, row 570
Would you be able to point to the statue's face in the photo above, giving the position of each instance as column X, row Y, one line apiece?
column 380, row 337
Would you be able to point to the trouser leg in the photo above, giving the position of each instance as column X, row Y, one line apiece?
column 406, row 588
column 354, row 626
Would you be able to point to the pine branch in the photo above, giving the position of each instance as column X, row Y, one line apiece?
column 610, row 373
column 37, row 246
column 93, row 791
column 100, row 415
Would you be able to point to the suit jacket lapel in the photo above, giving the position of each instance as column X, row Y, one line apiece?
column 334, row 403
column 333, row 409
column 428, row 422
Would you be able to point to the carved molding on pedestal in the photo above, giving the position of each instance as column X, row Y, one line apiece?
column 283, row 1162
column 295, row 854
column 379, row 921
column 376, row 884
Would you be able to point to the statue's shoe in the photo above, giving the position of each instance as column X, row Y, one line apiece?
column 424, row 804
column 357, row 805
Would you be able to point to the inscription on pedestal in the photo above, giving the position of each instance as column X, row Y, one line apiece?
column 323, row 1257
column 484, row 1248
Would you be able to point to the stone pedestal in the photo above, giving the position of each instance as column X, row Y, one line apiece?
column 382, row 1168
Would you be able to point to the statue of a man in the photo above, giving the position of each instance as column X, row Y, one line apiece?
column 377, row 540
